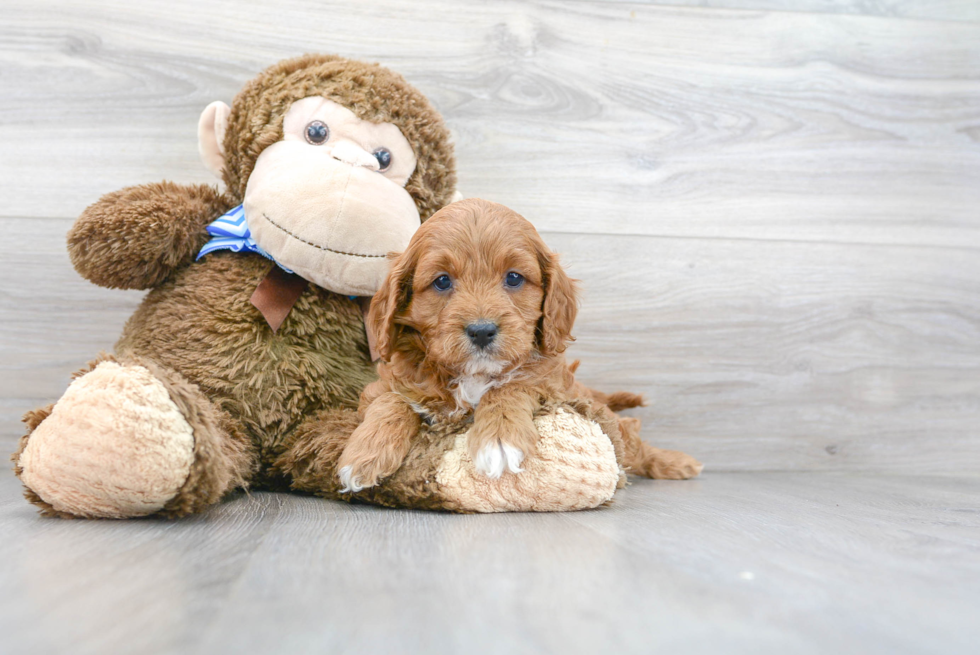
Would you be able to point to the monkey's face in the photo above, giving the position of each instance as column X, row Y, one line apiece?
column 336, row 161
column 328, row 201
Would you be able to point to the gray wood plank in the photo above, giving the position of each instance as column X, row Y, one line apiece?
column 791, row 355
column 753, row 355
column 622, row 118
column 954, row 10
column 750, row 153
column 753, row 563
column 782, row 356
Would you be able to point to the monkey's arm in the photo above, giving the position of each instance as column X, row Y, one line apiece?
column 135, row 237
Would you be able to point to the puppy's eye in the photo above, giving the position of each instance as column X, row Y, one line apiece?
column 442, row 283
column 513, row 280
column 383, row 155
column 317, row 133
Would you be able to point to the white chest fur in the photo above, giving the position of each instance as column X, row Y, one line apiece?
column 480, row 376
column 470, row 389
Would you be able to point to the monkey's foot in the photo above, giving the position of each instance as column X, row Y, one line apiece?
column 114, row 446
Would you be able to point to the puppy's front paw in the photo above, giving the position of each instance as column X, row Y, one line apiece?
column 372, row 454
column 496, row 457
column 361, row 474
column 493, row 455
column 352, row 482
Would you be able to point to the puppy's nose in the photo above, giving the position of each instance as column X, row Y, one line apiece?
column 481, row 334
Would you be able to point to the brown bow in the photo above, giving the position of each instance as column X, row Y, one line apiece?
column 278, row 292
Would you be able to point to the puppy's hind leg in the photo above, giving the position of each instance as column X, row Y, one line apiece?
column 643, row 459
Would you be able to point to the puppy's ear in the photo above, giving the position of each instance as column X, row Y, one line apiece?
column 393, row 296
column 559, row 307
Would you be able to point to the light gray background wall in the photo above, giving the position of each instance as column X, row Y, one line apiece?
column 775, row 214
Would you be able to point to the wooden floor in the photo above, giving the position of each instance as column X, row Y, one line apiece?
column 774, row 210
column 731, row 563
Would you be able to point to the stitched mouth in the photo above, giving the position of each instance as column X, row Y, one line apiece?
column 316, row 245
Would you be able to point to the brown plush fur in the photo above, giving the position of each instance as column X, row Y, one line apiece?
column 372, row 92
column 136, row 237
column 268, row 382
column 243, row 388
column 311, row 462
column 32, row 419
column 224, row 455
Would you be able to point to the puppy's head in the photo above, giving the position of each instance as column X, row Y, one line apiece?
column 477, row 290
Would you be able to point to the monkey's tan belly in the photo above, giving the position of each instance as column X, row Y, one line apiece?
column 202, row 325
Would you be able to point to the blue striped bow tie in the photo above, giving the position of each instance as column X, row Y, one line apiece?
column 230, row 232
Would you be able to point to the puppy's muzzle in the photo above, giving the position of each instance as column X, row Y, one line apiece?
column 481, row 334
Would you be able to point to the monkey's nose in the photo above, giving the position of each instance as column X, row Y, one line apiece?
column 481, row 334
column 351, row 153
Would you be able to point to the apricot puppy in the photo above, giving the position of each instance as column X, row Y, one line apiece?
column 474, row 317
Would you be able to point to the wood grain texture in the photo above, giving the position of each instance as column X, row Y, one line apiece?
column 954, row 10
column 792, row 355
column 774, row 213
column 732, row 563
column 641, row 119
column 798, row 356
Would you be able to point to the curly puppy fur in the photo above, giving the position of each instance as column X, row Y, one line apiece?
column 434, row 366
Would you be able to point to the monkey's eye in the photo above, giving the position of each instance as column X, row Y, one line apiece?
column 383, row 155
column 442, row 283
column 317, row 133
column 513, row 280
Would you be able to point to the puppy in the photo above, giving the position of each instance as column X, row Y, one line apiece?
column 474, row 317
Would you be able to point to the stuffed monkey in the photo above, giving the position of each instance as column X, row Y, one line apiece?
column 243, row 365
column 239, row 343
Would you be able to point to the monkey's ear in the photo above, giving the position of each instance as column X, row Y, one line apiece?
column 211, row 136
